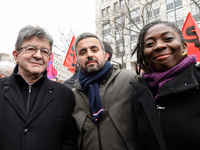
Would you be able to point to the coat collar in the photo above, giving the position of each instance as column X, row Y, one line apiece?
column 111, row 74
column 188, row 79
column 144, row 96
column 14, row 96
column 78, row 89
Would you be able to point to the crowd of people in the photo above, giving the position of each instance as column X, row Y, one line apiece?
column 102, row 107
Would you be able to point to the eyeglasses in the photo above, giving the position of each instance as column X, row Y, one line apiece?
column 33, row 49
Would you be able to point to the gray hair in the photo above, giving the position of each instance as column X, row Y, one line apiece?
column 86, row 35
column 30, row 31
column 6, row 68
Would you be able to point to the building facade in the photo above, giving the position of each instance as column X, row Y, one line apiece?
column 119, row 22
column 7, row 57
column 63, row 72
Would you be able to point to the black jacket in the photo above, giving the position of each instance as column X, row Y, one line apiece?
column 172, row 121
column 49, row 125
column 71, row 81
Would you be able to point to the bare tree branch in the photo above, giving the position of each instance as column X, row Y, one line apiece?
column 65, row 39
column 196, row 3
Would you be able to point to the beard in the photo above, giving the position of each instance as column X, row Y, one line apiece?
column 92, row 69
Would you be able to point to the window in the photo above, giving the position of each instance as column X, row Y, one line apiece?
column 119, row 35
column 134, row 28
column 121, row 2
column 195, row 12
column 172, row 4
column 134, row 33
column 175, row 12
column 170, row 16
column 103, row 13
column 116, row 7
column 135, row 15
column 119, row 23
column 130, row 2
column 108, row 10
column 179, row 17
column 106, row 32
column 152, row 11
column 106, row 29
column 178, row 3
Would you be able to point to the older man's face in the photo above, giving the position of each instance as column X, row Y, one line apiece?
column 32, row 64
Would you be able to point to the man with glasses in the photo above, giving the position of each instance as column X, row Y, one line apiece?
column 35, row 113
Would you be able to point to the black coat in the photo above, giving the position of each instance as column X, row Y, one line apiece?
column 172, row 121
column 71, row 81
column 49, row 125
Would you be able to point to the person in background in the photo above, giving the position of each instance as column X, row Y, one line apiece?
column 6, row 69
column 102, row 99
column 108, row 50
column 166, row 101
column 71, row 81
column 35, row 112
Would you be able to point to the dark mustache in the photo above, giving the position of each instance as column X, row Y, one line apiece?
column 90, row 59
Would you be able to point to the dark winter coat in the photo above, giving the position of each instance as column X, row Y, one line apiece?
column 71, row 81
column 49, row 125
column 172, row 122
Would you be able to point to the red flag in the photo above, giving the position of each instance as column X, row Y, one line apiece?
column 70, row 59
column 191, row 33
column 51, row 71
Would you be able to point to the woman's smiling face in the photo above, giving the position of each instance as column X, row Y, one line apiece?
column 163, row 47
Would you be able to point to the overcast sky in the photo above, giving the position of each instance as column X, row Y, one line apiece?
column 78, row 15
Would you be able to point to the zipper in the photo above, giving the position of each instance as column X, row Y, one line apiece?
column 99, row 135
column 158, row 107
column 28, row 100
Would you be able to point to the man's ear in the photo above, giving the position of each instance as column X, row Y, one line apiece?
column 16, row 56
column 107, row 55
column 50, row 57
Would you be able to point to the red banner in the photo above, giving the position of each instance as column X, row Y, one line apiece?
column 51, row 71
column 191, row 34
column 70, row 59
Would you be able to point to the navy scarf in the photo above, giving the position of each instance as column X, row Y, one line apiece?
column 91, row 85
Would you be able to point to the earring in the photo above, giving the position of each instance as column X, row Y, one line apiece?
column 184, row 55
column 145, row 65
